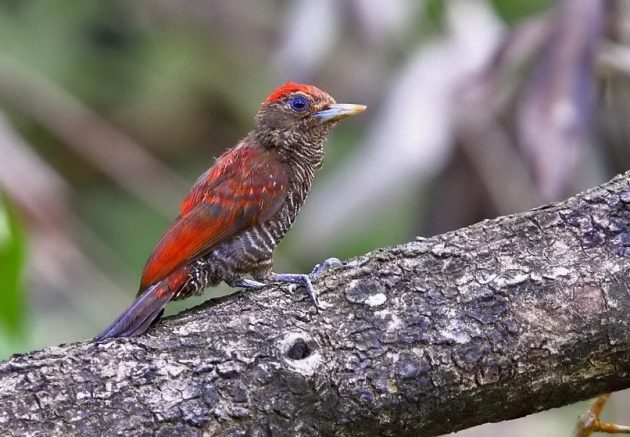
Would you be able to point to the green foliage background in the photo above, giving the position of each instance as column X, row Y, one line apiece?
column 12, row 299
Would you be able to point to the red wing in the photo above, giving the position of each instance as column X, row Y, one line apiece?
column 244, row 188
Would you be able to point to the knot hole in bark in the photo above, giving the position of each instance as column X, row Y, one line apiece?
column 298, row 350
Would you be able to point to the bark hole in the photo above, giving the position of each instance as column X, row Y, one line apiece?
column 299, row 350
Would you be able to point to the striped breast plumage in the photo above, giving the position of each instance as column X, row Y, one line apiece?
column 246, row 187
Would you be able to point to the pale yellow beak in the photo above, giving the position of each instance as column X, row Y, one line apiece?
column 338, row 111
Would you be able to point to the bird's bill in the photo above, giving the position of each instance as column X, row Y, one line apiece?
column 337, row 111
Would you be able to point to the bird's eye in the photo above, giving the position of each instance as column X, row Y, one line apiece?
column 299, row 103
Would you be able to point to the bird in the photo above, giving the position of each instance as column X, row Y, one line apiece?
column 240, row 208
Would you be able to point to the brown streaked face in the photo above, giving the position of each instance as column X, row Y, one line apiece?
column 296, row 114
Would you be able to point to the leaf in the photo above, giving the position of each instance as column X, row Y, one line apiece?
column 12, row 251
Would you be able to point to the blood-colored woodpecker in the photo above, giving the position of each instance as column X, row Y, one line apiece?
column 238, row 210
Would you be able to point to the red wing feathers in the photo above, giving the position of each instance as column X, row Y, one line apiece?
column 245, row 187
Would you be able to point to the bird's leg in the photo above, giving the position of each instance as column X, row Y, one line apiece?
column 297, row 279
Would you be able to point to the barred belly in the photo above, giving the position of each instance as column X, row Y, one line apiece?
column 247, row 253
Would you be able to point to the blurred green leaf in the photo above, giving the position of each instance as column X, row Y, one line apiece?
column 434, row 10
column 12, row 248
column 512, row 11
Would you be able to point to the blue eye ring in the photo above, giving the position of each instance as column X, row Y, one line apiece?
column 299, row 103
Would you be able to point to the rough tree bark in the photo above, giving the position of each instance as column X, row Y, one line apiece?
column 491, row 322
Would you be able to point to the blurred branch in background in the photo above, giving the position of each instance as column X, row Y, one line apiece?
column 591, row 422
column 613, row 58
column 56, row 263
column 410, row 138
column 483, row 137
column 105, row 147
column 555, row 113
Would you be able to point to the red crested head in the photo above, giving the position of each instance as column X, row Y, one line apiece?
column 291, row 87
column 295, row 118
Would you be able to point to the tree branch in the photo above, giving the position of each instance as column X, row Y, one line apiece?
column 491, row 322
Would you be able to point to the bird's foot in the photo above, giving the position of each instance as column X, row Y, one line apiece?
column 322, row 268
column 244, row 283
column 296, row 279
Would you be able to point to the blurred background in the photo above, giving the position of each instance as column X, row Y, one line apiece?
column 110, row 110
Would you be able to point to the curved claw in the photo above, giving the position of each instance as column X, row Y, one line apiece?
column 322, row 268
column 245, row 283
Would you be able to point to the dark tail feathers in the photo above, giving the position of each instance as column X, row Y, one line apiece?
column 136, row 319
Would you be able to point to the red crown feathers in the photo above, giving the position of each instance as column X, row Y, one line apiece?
column 292, row 87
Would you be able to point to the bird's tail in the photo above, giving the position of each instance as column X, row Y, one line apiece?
column 146, row 309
